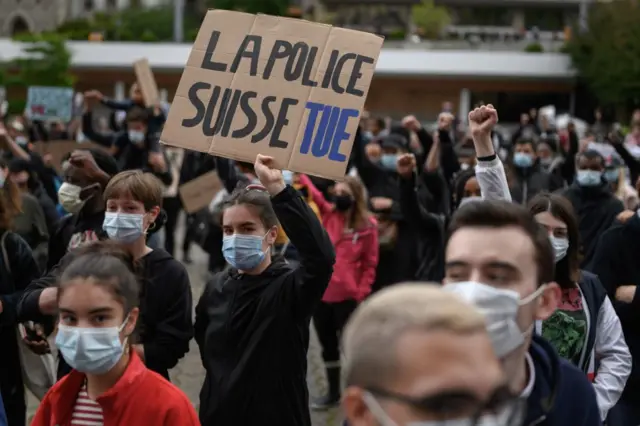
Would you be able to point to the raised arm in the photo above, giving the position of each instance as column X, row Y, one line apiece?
column 489, row 170
column 303, row 228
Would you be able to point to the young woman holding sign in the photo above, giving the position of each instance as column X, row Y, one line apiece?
column 252, row 321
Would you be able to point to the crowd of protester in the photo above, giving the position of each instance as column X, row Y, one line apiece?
column 532, row 234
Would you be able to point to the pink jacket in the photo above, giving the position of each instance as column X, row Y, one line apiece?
column 356, row 252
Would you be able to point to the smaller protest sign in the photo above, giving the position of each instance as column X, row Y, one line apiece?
column 60, row 148
column 45, row 103
column 198, row 193
column 287, row 88
column 147, row 82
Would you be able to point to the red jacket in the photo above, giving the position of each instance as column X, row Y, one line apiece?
column 356, row 252
column 140, row 397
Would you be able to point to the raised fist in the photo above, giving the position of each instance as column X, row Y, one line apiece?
column 410, row 122
column 406, row 165
column 444, row 121
column 482, row 120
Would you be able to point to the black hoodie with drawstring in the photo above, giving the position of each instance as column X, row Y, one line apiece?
column 253, row 330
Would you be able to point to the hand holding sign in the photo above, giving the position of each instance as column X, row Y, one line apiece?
column 270, row 177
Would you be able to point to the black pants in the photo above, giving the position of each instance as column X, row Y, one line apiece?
column 329, row 320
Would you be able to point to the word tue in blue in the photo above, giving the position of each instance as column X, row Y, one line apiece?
column 330, row 133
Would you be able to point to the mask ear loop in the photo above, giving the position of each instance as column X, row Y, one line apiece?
column 533, row 296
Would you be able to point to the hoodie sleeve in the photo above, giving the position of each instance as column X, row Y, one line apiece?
column 492, row 180
column 614, row 356
column 314, row 247
column 22, row 270
column 175, row 330
column 369, row 262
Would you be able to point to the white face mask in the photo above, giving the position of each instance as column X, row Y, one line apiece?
column 69, row 197
column 506, row 417
column 500, row 308
column 560, row 247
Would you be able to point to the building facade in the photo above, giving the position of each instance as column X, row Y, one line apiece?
column 406, row 80
column 19, row 16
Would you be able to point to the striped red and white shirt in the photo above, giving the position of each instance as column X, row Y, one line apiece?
column 86, row 412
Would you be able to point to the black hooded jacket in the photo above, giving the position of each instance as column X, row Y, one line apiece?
column 596, row 209
column 253, row 331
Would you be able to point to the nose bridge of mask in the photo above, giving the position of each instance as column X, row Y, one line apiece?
column 127, row 220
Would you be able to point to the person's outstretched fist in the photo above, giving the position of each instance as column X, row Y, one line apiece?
column 482, row 120
column 406, row 164
column 481, row 123
column 270, row 177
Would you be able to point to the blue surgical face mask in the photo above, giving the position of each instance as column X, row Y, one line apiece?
column 90, row 350
column 389, row 161
column 521, row 159
column 124, row 227
column 612, row 175
column 589, row 177
column 136, row 136
column 243, row 252
column 288, row 177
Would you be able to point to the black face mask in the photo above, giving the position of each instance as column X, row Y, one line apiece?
column 343, row 202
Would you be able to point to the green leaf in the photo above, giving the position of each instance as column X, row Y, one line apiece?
column 607, row 56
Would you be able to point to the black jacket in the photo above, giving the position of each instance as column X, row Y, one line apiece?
column 562, row 394
column 615, row 261
column 253, row 331
column 128, row 155
column 596, row 209
column 530, row 181
column 166, row 307
column 13, row 282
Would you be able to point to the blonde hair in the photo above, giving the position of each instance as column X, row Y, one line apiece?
column 370, row 335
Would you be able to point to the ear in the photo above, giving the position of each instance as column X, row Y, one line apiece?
column 132, row 320
column 153, row 214
column 548, row 301
column 272, row 235
column 355, row 409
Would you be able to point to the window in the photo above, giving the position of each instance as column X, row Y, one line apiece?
column 112, row 4
column 551, row 19
column 483, row 16
column 88, row 5
column 19, row 26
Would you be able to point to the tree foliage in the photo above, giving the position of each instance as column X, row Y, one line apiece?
column 430, row 19
column 607, row 55
column 46, row 61
column 270, row 7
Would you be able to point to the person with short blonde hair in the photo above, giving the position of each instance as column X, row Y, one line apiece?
column 412, row 352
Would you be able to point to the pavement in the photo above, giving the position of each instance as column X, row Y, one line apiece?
column 188, row 375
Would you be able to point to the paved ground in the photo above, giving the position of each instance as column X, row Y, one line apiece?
column 189, row 374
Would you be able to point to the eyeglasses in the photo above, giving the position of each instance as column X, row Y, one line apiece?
column 460, row 408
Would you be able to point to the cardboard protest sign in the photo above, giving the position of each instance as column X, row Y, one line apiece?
column 199, row 192
column 282, row 87
column 147, row 82
column 59, row 149
column 46, row 103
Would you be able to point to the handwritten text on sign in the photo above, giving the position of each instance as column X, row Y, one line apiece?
column 274, row 92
